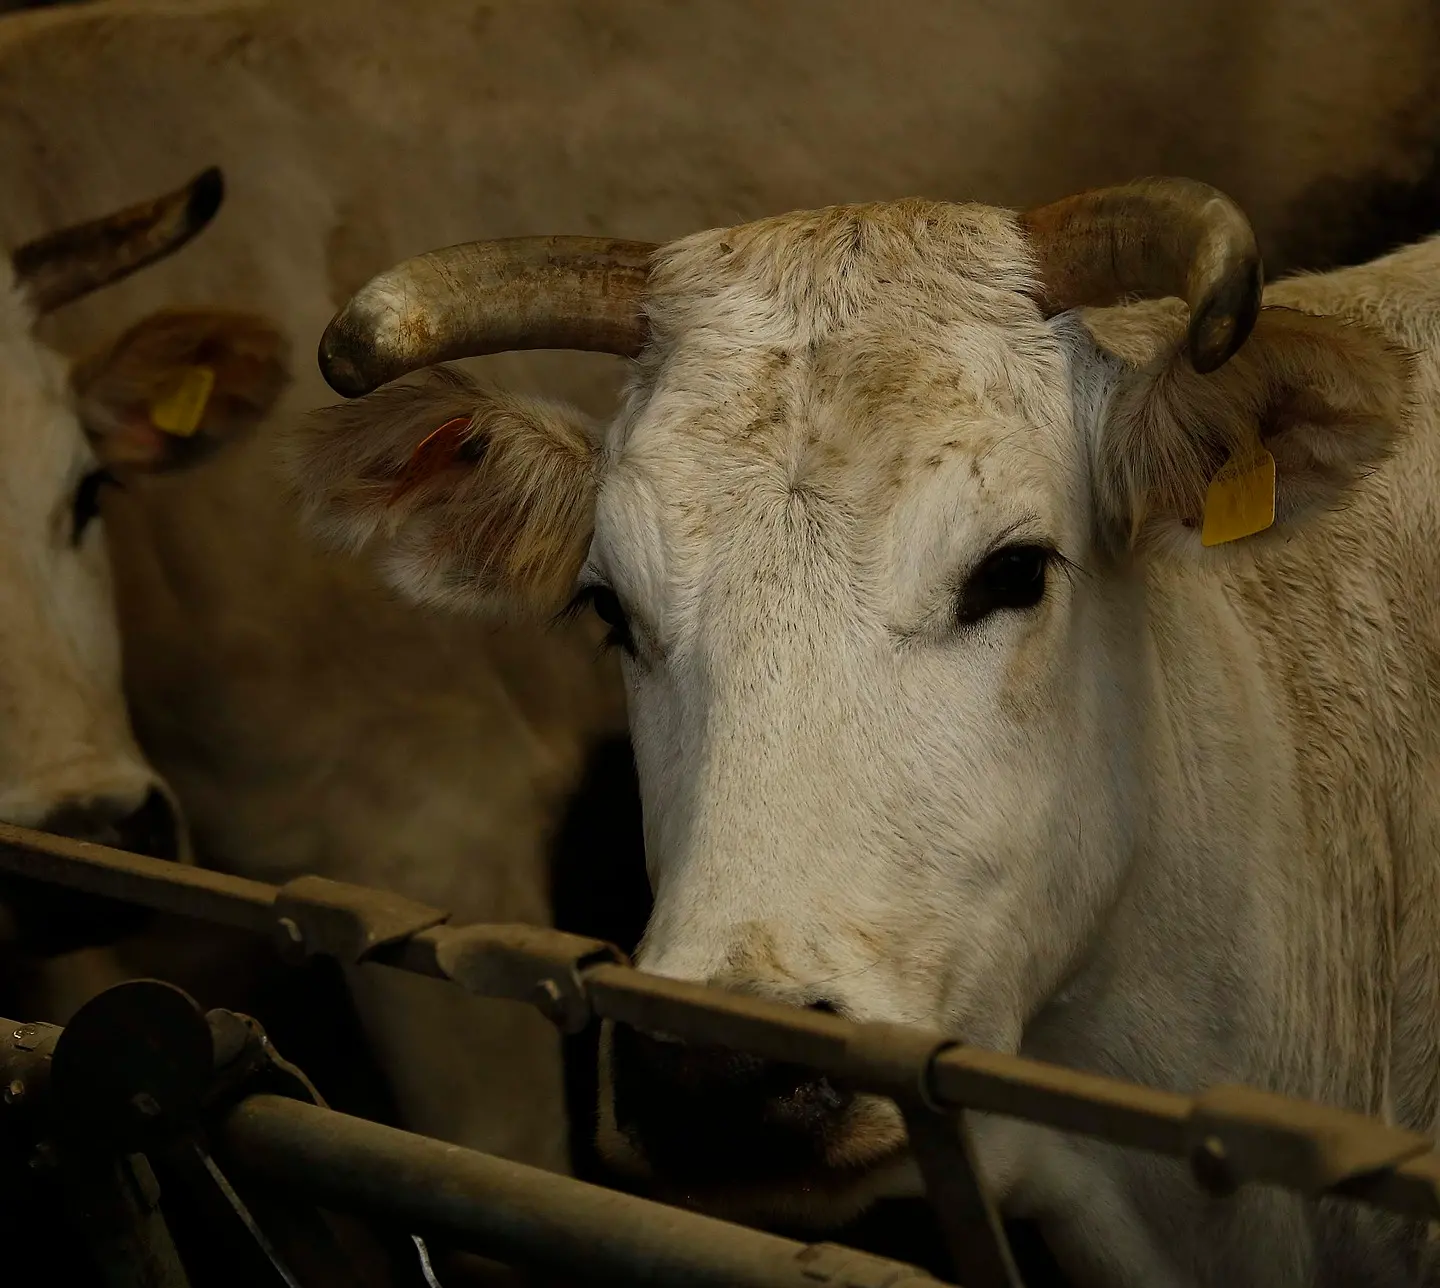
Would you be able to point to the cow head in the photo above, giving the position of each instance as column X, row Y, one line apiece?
column 873, row 532
column 173, row 386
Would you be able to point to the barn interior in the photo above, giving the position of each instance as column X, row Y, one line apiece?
column 308, row 720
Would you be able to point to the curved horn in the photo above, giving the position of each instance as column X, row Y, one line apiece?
column 62, row 266
column 489, row 297
column 1154, row 237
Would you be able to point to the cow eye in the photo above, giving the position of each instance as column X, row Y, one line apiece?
column 1011, row 577
column 85, row 505
column 607, row 607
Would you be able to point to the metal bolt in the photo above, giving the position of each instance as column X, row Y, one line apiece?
column 144, row 1104
column 568, row 1013
column 14, row 1091
column 1211, row 1164
column 548, row 1001
column 290, row 940
column 143, row 1184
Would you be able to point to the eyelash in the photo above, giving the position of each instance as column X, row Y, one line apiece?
column 85, row 501
column 598, row 598
column 984, row 593
column 1012, row 578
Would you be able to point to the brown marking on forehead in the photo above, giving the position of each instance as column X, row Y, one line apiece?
column 811, row 272
column 843, row 352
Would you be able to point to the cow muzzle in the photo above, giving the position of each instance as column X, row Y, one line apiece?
column 46, row 920
column 712, row 1115
column 741, row 1136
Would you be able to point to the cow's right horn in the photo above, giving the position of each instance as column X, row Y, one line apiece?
column 1153, row 238
column 489, row 297
column 62, row 266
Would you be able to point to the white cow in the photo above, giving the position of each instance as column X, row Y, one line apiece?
column 163, row 395
column 276, row 689
column 948, row 709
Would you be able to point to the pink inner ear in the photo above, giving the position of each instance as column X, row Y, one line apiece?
column 134, row 444
column 437, row 451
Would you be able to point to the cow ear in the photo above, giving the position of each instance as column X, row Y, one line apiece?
column 1327, row 399
column 177, row 385
column 477, row 499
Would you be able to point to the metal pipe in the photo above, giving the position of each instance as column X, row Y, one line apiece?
column 1273, row 1139
column 1122, row 1113
column 524, row 1216
column 153, row 883
column 959, row 1076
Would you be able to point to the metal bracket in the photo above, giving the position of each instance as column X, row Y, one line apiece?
column 124, row 1104
column 245, row 1061
column 969, row 1220
column 543, row 967
column 1237, row 1134
column 317, row 916
column 25, row 1051
column 896, row 1060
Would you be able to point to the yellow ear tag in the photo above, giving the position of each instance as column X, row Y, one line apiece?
column 1241, row 498
column 180, row 411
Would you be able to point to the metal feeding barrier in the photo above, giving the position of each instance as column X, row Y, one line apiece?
column 125, row 1104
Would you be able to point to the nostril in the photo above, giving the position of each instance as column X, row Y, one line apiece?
column 47, row 919
column 153, row 829
column 708, row 1112
column 823, row 1006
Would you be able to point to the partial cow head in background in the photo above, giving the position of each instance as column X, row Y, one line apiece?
column 871, row 531
column 170, row 389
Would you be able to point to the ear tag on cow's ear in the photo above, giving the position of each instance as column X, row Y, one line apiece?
column 181, row 410
column 1241, row 498
column 438, row 450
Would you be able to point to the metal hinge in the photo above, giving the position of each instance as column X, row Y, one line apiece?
column 317, row 916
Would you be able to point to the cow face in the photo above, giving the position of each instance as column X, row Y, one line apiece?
column 169, row 390
column 874, row 537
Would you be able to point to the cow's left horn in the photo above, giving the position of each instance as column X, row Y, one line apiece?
column 489, row 297
column 62, row 266
column 1153, row 238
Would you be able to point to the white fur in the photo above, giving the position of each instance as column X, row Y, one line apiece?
column 1178, row 824
column 64, row 732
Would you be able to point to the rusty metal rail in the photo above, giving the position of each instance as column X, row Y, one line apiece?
column 523, row 1215
column 1230, row 1135
column 124, row 1077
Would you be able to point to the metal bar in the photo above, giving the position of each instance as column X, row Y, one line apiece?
column 972, row 1227
column 114, row 1207
column 1304, row 1147
column 702, row 1014
column 524, row 1216
column 957, row 1077
column 1412, row 1189
column 1123, row 1113
column 232, row 1230
column 152, row 883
